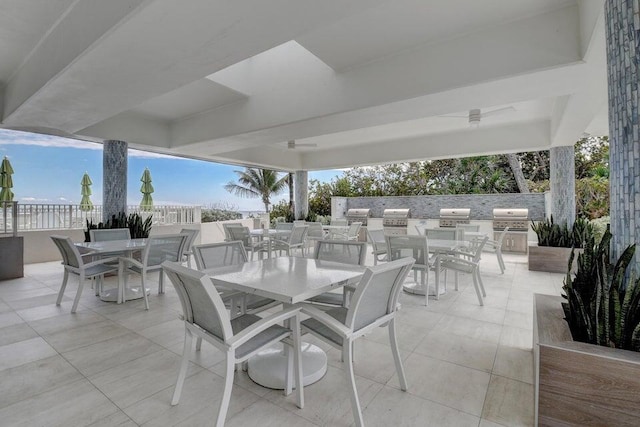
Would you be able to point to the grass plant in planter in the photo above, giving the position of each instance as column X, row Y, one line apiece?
column 138, row 227
column 555, row 243
column 585, row 371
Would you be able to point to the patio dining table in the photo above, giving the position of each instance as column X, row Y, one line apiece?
column 109, row 247
column 289, row 280
column 269, row 234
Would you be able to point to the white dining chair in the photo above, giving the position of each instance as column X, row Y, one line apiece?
column 158, row 250
column 374, row 304
column 192, row 233
column 225, row 254
column 225, row 228
column 378, row 245
column 463, row 262
column 416, row 247
column 314, row 233
column 243, row 234
column 352, row 253
column 206, row 318
column 495, row 246
column 108, row 234
column 74, row 263
column 295, row 240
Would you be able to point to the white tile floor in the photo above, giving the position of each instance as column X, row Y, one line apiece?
column 111, row 364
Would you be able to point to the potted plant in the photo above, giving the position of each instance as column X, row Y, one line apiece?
column 586, row 346
column 138, row 227
column 555, row 244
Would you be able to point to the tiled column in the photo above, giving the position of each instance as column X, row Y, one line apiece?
column 562, row 181
column 622, row 19
column 301, row 194
column 114, row 178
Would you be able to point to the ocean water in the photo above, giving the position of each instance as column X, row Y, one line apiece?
column 248, row 214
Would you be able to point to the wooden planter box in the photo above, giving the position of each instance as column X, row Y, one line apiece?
column 577, row 383
column 551, row 259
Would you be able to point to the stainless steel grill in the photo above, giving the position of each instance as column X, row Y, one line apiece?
column 358, row 215
column 515, row 219
column 395, row 221
column 451, row 217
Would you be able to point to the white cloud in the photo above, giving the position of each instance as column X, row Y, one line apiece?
column 8, row 137
column 33, row 199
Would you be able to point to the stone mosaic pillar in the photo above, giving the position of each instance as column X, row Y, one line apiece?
column 562, row 181
column 622, row 19
column 114, row 178
column 301, row 194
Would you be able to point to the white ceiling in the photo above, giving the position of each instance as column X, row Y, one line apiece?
column 366, row 81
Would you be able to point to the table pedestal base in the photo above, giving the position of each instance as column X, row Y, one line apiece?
column 418, row 289
column 268, row 367
column 111, row 295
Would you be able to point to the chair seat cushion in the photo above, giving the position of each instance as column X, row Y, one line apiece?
column 338, row 313
column 100, row 269
column 329, row 298
column 273, row 333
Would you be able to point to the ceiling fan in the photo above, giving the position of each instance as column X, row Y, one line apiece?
column 475, row 114
column 292, row 145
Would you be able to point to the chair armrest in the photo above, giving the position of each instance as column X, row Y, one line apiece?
column 101, row 261
column 127, row 260
column 454, row 259
column 253, row 330
column 327, row 320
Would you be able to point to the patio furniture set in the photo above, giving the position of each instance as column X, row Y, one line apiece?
column 222, row 298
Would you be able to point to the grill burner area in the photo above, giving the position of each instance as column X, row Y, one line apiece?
column 515, row 219
column 451, row 217
column 358, row 215
column 395, row 221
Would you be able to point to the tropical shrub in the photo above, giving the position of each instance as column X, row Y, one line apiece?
column 552, row 234
column 603, row 306
column 599, row 226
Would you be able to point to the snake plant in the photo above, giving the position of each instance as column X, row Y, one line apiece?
column 603, row 304
column 552, row 234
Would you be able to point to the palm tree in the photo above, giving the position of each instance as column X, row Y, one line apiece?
column 253, row 183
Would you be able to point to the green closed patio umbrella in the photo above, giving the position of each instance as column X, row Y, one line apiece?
column 146, row 189
column 6, row 195
column 86, row 204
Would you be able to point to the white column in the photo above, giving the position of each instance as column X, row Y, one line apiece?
column 114, row 178
column 301, row 194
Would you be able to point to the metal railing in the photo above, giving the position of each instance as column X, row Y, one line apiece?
column 9, row 218
column 50, row 216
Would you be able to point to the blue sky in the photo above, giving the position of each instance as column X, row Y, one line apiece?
column 48, row 169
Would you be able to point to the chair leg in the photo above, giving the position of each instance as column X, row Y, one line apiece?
column 160, row 283
column 184, row 364
column 226, row 394
column 198, row 344
column 477, row 287
column 477, row 271
column 500, row 260
column 81, row 280
column 297, row 360
column 144, row 291
column 396, row 354
column 63, row 287
column 355, row 402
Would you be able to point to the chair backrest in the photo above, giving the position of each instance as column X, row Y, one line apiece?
column 298, row 234
column 339, row 221
column 70, row 254
column 498, row 243
column 354, row 229
column 476, row 248
column 299, row 221
column 191, row 233
column 107, row 234
column 442, row 233
column 341, row 251
column 201, row 304
column 469, row 227
column 284, row 226
column 415, row 247
column 420, row 227
column 225, row 227
column 315, row 230
column 219, row 254
column 164, row 248
column 240, row 233
column 377, row 293
column 376, row 237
